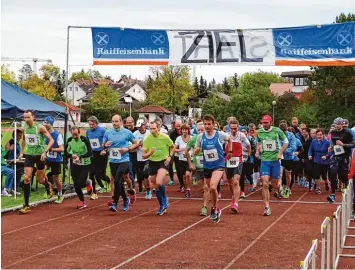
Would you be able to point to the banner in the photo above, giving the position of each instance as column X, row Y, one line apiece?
column 323, row 45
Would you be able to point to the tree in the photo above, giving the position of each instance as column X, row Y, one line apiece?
column 40, row 87
column 60, row 85
column 257, row 79
column 285, row 107
column 202, row 87
column 104, row 98
column 170, row 87
column 7, row 74
column 196, row 86
column 50, row 72
column 94, row 74
column 213, row 84
column 25, row 72
column 79, row 75
column 216, row 107
column 226, row 86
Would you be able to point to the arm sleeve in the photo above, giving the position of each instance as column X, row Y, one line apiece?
column 60, row 140
column 131, row 137
column 245, row 139
column 198, row 141
column 224, row 137
column 291, row 144
column 105, row 138
column 88, row 147
column 67, row 149
column 310, row 150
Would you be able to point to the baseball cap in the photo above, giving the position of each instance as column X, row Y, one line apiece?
column 338, row 121
column 141, row 121
column 49, row 119
column 346, row 122
column 266, row 118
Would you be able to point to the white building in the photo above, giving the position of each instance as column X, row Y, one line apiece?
column 75, row 92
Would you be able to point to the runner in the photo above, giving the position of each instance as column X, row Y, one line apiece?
column 95, row 134
column 234, row 165
column 257, row 162
column 287, row 160
column 351, row 176
column 341, row 143
column 54, row 156
column 133, row 154
column 142, row 164
column 196, row 165
column 226, row 128
column 78, row 149
column 268, row 139
column 158, row 148
column 318, row 152
column 210, row 142
column 307, row 165
column 116, row 141
column 35, row 154
column 173, row 136
column 247, row 168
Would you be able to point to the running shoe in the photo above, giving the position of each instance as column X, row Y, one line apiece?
column 194, row 182
column 217, row 218
column 182, row 190
column 235, row 207
column 252, row 189
column 89, row 186
column 125, row 206
column 203, row 212
column 110, row 202
column 81, row 205
column 161, row 211
column 300, row 182
column 271, row 188
column 188, row 194
column 306, row 184
column 331, row 198
column 25, row 210
column 132, row 196
column 148, row 195
column 113, row 207
column 213, row 214
column 267, row 211
column 318, row 191
column 286, row 193
column 5, row 193
column 166, row 203
column 93, row 196
column 219, row 196
column 102, row 190
column 13, row 192
column 327, row 186
column 60, row 199
column 278, row 195
column 242, row 195
column 171, row 183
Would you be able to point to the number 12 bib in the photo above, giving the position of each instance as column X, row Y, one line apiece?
column 269, row 146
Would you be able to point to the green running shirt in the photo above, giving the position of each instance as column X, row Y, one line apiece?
column 270, row 141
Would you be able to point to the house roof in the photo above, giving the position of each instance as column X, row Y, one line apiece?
column 303, row 73
column 64, row 105
column 280, row 88
column 153, row 109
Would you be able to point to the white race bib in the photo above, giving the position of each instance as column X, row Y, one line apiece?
column 95, row 144
column 52, row 154
column 115, row 153
column 233, row 162
column 210, row 155
column 80, row 162
column 338, row 150
column 199, row 162
column 31, row 139
column 269, row 146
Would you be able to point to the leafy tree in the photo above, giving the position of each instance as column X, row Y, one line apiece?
column 94, row 74
column 257, row 79
column 307, row 113
column 79, row 75
column 213, row 84
column 216, row 107
column 226, row 86
column 170, row 87
column 7, row 74
column 196, row 86
column 25, row 72
column 40, row 87
column 104, row 97
column 285, row 107
column 50, row 72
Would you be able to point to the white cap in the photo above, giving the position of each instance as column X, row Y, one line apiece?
column 140, row 122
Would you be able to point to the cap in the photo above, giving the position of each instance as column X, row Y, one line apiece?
column 339, row 121
column 49, row 119
column 346, row 122
column 266, row 118
column 141, row 121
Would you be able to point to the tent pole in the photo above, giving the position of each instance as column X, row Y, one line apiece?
column 66, row 128
column 15, row 159
column 65, row 144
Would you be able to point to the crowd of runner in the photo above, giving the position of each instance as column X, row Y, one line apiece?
column 202, row 154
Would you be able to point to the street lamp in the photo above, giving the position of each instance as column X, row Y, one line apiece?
column 273, row 111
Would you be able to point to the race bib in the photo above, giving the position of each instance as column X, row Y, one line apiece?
column 199, row 162
column 52, row 154
column 233, row 162
column 210, row 155
column 182, row 156
column 31, row 139
column 269, row 146
column 115, row 153
column 338, row 150
column 95, row 144
column 80, row 162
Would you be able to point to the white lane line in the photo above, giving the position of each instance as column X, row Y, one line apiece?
column 52, row 219
column 263, row 233
column 167, row 239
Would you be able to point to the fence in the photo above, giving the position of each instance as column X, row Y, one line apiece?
column 333, row 232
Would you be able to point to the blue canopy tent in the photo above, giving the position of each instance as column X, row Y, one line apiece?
column 15, row 101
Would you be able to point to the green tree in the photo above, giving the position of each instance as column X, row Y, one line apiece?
column 79, row 75
column 202, row 86
column 216, row 107
column 50, row 72
column 226, row 86
column 39, row 87
column 170, row 87
column 307, row 113
column 196, row 86
column 104, row 98
column 257, row 79
column 285, row 107
column 26, row 72
column 7, row 74
column 94, row 74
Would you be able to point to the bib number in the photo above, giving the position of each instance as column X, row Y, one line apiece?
column 338, row 150
column 199, row 162
column 233, row 162
column 52, row 154
column 269, row 146
column 95, row 144
column 210, row 155
column 115, row 153
column 31, row 139
column 80, row 162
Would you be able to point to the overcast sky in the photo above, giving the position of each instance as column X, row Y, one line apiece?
column 37, row 28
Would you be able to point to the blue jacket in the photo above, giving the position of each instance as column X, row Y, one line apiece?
column 291, row 148
column 319, row 149
column 299, row 148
